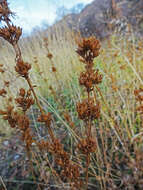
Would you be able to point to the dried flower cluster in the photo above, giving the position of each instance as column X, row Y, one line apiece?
column 88, row 109
column 87, row 145
column 10, row 116
column 46, row 118
column 88, row 49
column 4, row 11
column 54, row 69
column 3, row 92
column 49, row 55
column 20, row 122
column 62, row 158
column 139, row 94
column 11, row 33
column 24, row 126
column 69, row 170
column 90, row 78
column 22, row 68
column 24, row 100
column 69, row 119
column 139, row 97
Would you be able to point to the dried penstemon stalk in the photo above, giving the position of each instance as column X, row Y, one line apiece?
column 12, row 34
column 69, row 170
column 88, row 109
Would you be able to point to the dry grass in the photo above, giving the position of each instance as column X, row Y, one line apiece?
column 117, row 161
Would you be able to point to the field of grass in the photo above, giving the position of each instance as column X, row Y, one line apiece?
column 116, row 162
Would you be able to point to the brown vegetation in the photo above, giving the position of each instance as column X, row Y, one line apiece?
column 105, row 150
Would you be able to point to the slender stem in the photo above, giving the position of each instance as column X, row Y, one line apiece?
column 87, row 166
column 35, row 96
column 41, row 109
column 3, row 183
column 17, row 51
column 88, row 137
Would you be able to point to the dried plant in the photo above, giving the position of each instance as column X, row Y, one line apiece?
column 106, row 145
column 70, row 170
column 88, row 49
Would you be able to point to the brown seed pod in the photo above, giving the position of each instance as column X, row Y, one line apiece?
column 90, row 78
column 47, row 118
column 87, row 145
column 88, row 49
column 87, row 110
column 22, row 68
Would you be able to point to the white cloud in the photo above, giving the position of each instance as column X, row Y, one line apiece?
column 30, row 19
column 31, row 13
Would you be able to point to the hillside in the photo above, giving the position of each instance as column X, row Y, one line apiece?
column 102, row 17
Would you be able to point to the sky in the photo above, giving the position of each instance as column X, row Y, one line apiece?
column 31, row 13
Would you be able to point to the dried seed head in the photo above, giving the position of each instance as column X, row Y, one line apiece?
column 6, row 83
column 23, row 125
column 22, row 92
column 49, row 55
column 43, row 145
column 87, row 145
column 25, row 101
column 45, row 39
column 47, row 118
column 54, row 69
column 139, row 94
column 23, row 122
column 140, row 109
column 88, row 49
column 69, row 170
column 139, row 97
column 4, row 11
column 22, row 68
column 87, row 110
column 11, row 33
column 2, row 70
column 3, row 92
column 10, row 116
column 90, row 78
column 69, row 119
column 56, row 147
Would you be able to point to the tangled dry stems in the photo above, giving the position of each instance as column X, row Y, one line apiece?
column 76, row 173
